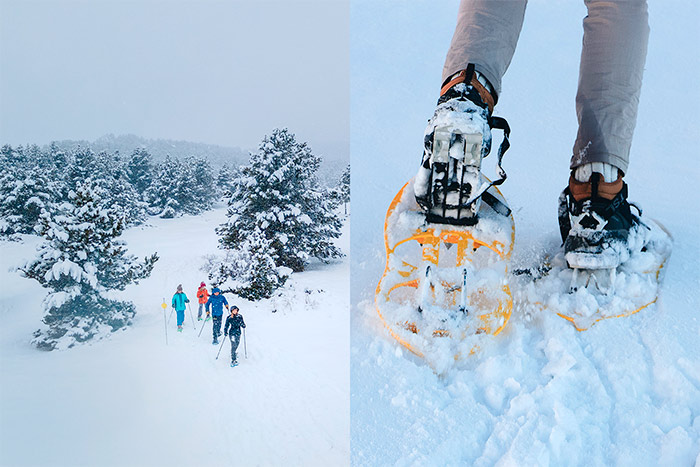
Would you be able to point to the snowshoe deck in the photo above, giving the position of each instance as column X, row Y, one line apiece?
column 586, row 297
column 443, row 284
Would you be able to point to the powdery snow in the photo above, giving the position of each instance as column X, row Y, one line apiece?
column 625, row 392
column 132, row 400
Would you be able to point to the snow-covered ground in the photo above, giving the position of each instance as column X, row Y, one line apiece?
column 625, row 392
column 133, row 400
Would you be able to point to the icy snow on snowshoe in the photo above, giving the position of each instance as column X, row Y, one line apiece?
column 585, row 297
column 445, row 284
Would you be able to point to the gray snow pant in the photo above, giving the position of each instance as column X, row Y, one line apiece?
column 216, row 326
column 235, row 340
column 615, row 36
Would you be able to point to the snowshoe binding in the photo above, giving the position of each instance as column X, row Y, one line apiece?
column 234, row 364
column 449, row 234
column 612, row 261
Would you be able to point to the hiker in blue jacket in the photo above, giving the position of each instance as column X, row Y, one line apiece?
column 179, row 301
column 217, row 301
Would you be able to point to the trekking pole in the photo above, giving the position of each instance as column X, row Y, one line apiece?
column 202, row 328
column 171, row 314
column 190, row 308
column 220, row 347
column 245, row 348
column 165, row 322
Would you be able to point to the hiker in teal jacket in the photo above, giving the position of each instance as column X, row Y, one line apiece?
column 179, row 301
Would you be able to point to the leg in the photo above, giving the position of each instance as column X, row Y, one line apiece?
column 448, row 185
column 615, row 36
column 199, row 313
column 486, row 35
column 235, row 340
column 180, row 317
column 216, row 326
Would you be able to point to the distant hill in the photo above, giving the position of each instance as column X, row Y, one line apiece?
column 328, row 174
column 159, row 148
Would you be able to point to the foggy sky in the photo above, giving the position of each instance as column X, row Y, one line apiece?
column 222, row 73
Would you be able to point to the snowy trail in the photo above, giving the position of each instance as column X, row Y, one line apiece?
column 626, row 391
column 132, row 400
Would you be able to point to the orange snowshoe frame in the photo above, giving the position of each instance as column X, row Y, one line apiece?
column 406, row 276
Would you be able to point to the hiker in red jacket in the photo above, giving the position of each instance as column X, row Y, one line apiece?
column 203, row 296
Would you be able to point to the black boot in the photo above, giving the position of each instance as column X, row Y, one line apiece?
column 449, row 185
column 596, row 222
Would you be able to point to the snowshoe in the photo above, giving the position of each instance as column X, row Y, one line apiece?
column 233, row 364
column 215, row 342
column 612, row 264
column 449, row 233
column 179, row 329
column 445, row 283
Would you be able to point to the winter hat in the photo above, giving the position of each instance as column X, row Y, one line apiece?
column 179, row 288
column 215, row 290
column 234, row 307
column 202, row 284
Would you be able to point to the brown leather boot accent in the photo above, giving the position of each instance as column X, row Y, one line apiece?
column 583, row 190
column 461, row 77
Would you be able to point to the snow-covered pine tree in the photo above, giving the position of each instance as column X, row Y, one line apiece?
column 80, row 261
column 179, row 187
column 279, row 194
column 139, row 170
column 200, row 182
column 227, row 180
column 159, row 193
column 108, row 171
column 26, row 188
column 343, row 188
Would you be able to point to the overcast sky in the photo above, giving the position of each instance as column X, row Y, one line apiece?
column 222, row 73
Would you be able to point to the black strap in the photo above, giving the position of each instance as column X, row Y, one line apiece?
column 496, row 123
column 496, row 204
column 563, row 214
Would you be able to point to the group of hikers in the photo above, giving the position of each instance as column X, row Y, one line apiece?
column 214, row 301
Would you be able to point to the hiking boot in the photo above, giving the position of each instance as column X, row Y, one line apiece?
column 596, row 222
column 456, row 140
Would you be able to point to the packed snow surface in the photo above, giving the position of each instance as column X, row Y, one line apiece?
column 624, row 392
column 133, row 400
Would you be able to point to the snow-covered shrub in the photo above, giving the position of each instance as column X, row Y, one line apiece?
column 249, row 271
column 278, row 194
column 80, row 261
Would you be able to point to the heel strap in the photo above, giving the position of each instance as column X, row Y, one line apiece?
column 475, row 79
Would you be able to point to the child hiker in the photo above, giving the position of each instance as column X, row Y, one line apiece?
column 203, row 296
column 232, row 329
column 179, row 301
column 217, row 302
